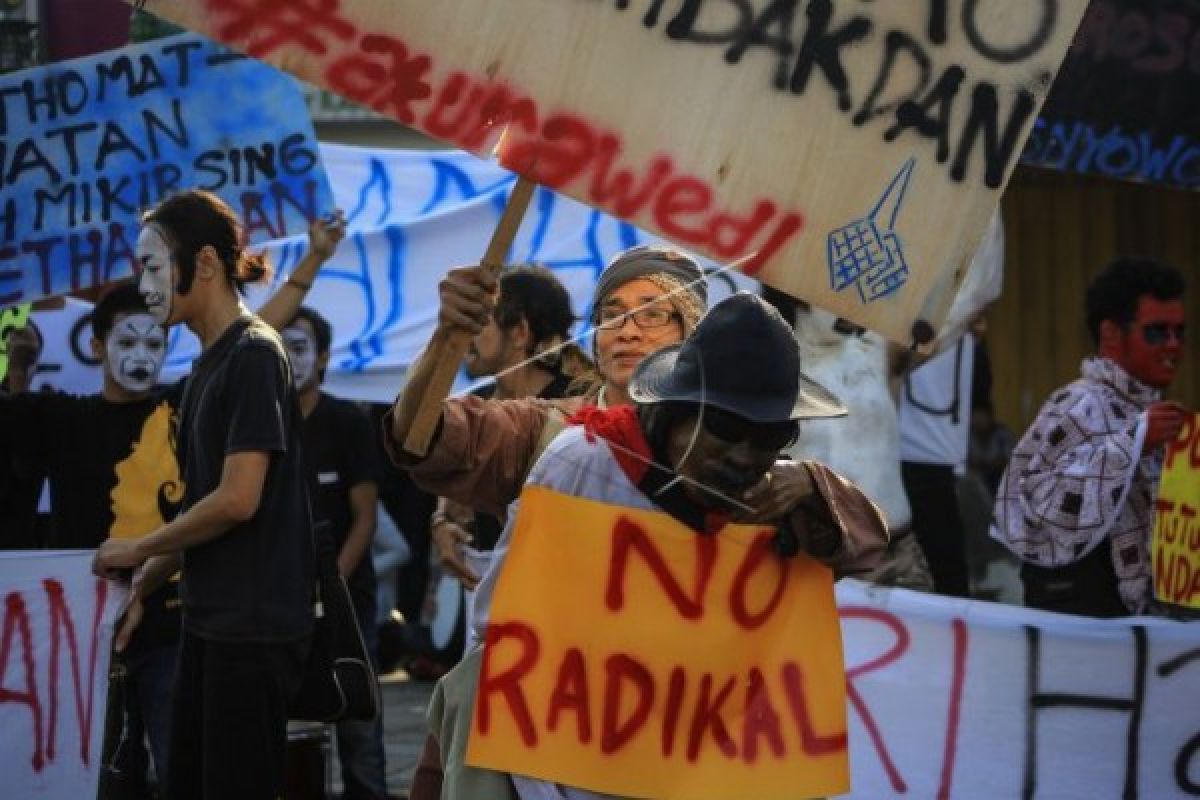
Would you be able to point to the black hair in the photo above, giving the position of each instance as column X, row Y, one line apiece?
column 195, row 219
column 1115, row 292
column 322, row 330
column 535, row 294
column 122, row 298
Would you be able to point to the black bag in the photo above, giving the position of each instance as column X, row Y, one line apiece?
column 339, row 681
column 123, row 757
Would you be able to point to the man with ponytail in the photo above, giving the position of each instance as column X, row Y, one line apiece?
column 244, row 535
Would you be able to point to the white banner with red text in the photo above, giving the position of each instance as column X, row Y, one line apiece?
column 955, row 698
column 54, row 655
column 946, row 698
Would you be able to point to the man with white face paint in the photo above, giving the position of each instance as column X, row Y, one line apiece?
column 112, row 472
column 155, row 281
column 112, row 469
column 243, row 537
column 339, row 449
column 135, row 349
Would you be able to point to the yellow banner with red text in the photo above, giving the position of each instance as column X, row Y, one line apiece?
column 1176, row 542
column 627, row 654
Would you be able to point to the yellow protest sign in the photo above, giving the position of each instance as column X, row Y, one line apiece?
column 1176, row 543
column 626, row 654
column 11, row 319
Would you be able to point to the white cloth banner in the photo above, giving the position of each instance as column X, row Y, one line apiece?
column 947, row 698
column 412, row 214
column 961, row 699
column 54, row 655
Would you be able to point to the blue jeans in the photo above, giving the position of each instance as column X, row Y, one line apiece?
column 151, row 675
column 360, row 743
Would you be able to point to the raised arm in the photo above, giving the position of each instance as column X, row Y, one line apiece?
column 323, row 238
column 483, row 450
column 466, row 296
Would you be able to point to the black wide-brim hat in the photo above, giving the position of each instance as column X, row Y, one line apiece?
column 741, row 358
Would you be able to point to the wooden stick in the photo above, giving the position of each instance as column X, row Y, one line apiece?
column 445, row 355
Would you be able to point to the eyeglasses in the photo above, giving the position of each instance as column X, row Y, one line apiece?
column 732, row 428
column 613, row 319
column 1156, row 333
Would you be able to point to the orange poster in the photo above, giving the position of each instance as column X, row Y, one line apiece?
column 629, row 655
column 1176, row 544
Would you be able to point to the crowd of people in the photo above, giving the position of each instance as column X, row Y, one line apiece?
column 209, row 496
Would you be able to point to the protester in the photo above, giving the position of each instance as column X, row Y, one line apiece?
column 24, row 346
column 993, row 572
column 339, row 451
column 1076, row 502
column 244, row 536
column 701, row 443
column 22, row 475
column 860, row 367
column 110, row 459
column 525, row 346
column 485, row 449
column 646, row 298
column 935, row 416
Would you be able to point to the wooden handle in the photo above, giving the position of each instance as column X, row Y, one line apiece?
column 447, row 353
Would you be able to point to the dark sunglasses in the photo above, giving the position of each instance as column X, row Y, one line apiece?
column 1156, row 333
column 729, row 427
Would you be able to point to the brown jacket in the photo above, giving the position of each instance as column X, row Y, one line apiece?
column 484, row 450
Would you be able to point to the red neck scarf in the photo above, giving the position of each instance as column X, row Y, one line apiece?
column 619, row 427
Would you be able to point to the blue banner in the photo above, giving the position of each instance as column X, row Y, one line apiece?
column 412, row 215
column 87, row 145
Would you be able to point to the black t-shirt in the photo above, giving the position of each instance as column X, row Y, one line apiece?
column 254, row 583
column 112, row 471
column 111, row 466
column 339, row 449
column 21, row 481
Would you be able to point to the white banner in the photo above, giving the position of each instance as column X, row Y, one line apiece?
column 960, row 699
column 947, row 698
column 54, row 654
column 412, row 216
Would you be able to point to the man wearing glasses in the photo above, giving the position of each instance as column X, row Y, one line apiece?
column 1076, row 503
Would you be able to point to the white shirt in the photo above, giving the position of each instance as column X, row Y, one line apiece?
column 935, row 408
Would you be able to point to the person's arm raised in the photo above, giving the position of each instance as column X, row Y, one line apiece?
column 467, row 296
column 323, row 238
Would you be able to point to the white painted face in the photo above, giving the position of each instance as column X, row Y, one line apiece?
column 302, row 349
column 136, row 347
column 156, row 281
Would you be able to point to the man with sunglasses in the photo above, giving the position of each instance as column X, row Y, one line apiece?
column 1076, row 502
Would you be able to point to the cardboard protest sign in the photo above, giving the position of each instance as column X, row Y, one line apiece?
column 1175, row 546
column 54, row 653
column 11, row 319
column 85, row 145
column 1124, row 103
column 625, row 654
column 852, row 153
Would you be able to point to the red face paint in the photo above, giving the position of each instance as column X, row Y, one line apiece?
column 1153, row 360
